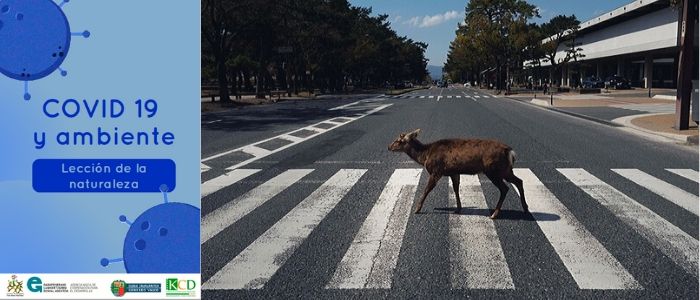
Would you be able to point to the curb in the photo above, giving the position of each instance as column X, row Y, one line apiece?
column 545, row 104
column 627, row 122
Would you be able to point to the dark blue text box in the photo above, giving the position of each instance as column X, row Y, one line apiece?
column 103, row 175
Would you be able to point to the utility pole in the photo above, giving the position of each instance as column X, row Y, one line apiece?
column 686, row 61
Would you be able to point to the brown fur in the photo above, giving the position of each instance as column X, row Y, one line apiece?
column 452, row 157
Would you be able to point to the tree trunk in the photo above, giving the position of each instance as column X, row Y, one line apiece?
column 223, row 81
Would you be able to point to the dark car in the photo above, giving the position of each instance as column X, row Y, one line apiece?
column 592, row 83
column 617, row 82
column 442, row 84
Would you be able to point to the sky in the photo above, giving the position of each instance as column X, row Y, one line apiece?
column 435, row 21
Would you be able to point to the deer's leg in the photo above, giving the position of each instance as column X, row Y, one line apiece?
column 432, row 181
column 518, row 184
column 455, row 186
column 503, row 188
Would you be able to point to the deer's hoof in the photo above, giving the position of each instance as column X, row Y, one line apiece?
column 494, row 214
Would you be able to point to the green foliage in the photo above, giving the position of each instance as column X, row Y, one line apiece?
column 495, row 36
column 325, row 43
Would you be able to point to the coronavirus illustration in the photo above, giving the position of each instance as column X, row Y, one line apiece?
column 35, row 37
column 163, row 239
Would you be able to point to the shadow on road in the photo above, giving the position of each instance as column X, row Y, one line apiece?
column 504, row 215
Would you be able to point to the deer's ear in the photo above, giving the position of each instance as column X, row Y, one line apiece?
column 413, row 134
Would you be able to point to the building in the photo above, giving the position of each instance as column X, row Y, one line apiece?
column 638, row 41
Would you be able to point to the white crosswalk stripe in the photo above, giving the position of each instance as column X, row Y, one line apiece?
column 669, row 239
column 231, row 212
column 589, row 263
column 687, row 173
column 671, row 193
column 476, row 257
column 373, row 254
column 225, row 180
column 254, row 266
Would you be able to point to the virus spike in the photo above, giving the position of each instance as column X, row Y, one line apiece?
column 63, row 3
column 164, row 189
column 123, row 219
column 27, row 96
column 85, row 34
column 106, row 261
column 63, row 72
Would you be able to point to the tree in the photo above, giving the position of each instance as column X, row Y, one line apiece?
column 558, row 31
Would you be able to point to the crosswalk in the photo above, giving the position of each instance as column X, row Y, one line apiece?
column 443, row 97
column 476, row 256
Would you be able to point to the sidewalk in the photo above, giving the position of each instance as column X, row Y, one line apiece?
column 212, row 106
column 648, row 116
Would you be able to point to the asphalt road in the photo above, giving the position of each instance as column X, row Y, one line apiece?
column 302, row 200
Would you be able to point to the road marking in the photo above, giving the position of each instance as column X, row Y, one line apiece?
column 422, row 97
column 673, row 242
column 669, row 192
column 687, row 173
column 476, row 257
column 449, row 97
column 371, row 259
column 233, row 211
column 459, row 97
column 431, row 97
column 588, row 262
column 225, row 180
column 259, row 153
column 291, row 138
column 253, row 267
column 203, row 168
column 212, row 122
column 255, row 150
column 477, row 96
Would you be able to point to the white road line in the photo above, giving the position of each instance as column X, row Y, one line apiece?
column 255, row 150
column 253, row 267
column 672, row 241
column 449, row 97
column 669, row 192
column 233, row 211
column 476, row 257
column 459, row 97
column 346, row 105
column 260, row 154
column 203, row 168
column 476, row 96
column 371, row 259
column 687, row 173
column 588, row 262
column 212, row 122
column 431, row 97
column 291, row 138
column 422, row 97
column 225, row 180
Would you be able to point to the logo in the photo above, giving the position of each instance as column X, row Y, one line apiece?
column 180, row 287
column 15, row 287
column 118, row 288
column 35, row 285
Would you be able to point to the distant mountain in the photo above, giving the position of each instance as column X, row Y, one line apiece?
column 435, row 72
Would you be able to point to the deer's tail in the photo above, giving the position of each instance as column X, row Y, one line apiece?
column 511, row 157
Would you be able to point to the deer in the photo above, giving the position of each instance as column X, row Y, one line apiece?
column 453, row 157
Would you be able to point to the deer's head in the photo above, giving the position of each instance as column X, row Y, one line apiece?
column 401, row 144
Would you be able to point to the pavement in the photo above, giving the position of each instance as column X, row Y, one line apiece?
column 654, row 117
column 303, row 200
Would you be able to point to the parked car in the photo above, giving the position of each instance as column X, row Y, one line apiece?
column 442, row 84
column 592, row 83
column 617, row 82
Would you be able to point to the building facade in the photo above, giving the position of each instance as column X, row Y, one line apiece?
column 638, row 41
